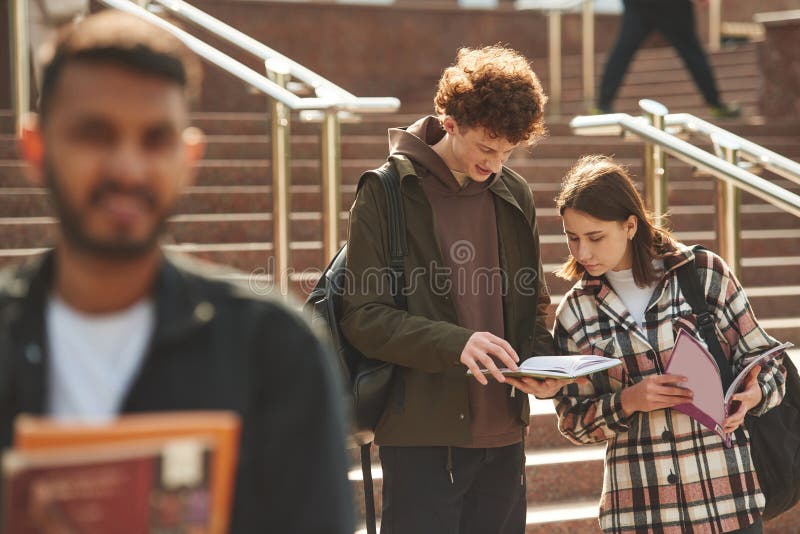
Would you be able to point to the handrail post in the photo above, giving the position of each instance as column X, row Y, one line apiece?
column 655, row 163
column 729, row 199
column 331, row 180
column 587, row 20
column 281, row 178
column 20, row 56
column 554, row 54
column 714, row 25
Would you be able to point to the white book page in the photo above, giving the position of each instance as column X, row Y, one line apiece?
column 568, row 365
column 760, row 359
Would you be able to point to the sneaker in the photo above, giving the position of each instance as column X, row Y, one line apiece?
column 599, row 110
column 726, row 111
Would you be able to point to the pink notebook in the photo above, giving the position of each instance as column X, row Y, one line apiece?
column 710, row 405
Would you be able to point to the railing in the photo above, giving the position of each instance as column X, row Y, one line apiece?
column 554, row 12
column 714, row 25
column 329, row 101
column 20, row 59
column 282, row 69
column 726, row 167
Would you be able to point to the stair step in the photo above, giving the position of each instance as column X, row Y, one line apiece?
column 567, row 517
column 540, row 171
column 258, row 149
column 377, row 124
column 227, row 227
column 34, row 201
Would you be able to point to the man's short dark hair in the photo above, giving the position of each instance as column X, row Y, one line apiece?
column 118, row 38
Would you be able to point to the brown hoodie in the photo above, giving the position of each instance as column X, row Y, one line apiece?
column 465, row 226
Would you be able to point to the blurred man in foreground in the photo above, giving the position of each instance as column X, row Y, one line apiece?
column 105, row 323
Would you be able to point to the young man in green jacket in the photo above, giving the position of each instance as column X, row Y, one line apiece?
column 452, row 446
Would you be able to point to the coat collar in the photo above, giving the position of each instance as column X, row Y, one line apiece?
column 179, row 305
column 672, row 261
column 500, row 189
column 608, row 301
column 180, row 310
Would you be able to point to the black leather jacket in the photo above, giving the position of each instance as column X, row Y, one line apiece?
column 215, row 346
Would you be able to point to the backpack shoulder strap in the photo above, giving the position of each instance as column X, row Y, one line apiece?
column 398, row 249
column 398, row 243
column 692, row 289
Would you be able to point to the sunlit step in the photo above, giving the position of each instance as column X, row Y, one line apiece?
column 565, row 511
column 584, row 453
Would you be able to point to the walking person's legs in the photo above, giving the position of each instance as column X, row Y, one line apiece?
column 634, row 29
column 677, row 23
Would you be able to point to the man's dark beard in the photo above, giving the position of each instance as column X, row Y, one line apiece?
column 76, row 235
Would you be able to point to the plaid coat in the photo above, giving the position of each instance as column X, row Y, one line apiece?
column 664, row 472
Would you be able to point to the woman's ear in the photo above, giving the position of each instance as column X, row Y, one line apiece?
column 631, row 224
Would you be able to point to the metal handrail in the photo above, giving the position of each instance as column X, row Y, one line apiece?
column 332, row 101
column 554, row 12
column 253, row 78
column 726, row 170
column 772, row 161
column 284, row 68
column 248, row 44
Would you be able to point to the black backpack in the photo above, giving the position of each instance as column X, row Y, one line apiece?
column 367, row 381
column 775, row 436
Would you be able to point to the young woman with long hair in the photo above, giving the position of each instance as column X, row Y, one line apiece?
column 664, row 472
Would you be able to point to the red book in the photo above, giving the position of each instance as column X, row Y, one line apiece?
column 166, row 472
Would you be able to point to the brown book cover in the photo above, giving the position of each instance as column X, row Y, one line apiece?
column 48, row 443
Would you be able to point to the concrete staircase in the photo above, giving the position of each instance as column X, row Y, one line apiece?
column 226, row 218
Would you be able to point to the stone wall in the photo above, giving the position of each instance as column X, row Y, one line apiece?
column 397, row 50
column 779, row 61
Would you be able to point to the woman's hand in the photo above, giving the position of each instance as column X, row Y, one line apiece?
column 540, row 388
column 655, row 392
column 747, row 399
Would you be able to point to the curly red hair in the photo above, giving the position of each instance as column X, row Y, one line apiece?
column 494, row 88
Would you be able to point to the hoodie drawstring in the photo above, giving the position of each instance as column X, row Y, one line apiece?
column 449, row 465
column 522, row 475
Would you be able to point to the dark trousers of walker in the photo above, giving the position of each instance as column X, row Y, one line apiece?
column 674, row 20
column 486, row 494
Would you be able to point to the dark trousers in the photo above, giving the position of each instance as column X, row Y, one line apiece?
column 486, row 493
column 673, row 19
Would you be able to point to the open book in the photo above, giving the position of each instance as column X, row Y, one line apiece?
column 710, row 405
column 565, row 367
column 164, row 472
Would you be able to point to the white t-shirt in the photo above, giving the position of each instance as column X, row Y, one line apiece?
column 634, row 297
column 94, row 358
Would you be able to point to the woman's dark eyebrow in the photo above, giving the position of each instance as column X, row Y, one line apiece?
column 587, row 233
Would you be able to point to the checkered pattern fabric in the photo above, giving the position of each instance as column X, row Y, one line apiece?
column 664, row 472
